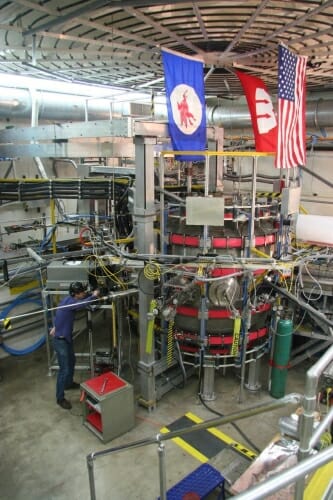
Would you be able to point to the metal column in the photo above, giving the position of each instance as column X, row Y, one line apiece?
column 144, row 217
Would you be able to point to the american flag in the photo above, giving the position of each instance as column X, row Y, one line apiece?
column 291, row 146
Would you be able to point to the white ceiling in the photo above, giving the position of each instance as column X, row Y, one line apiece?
column 118, row 42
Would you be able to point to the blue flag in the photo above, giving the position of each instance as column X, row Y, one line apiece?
column 185, row 93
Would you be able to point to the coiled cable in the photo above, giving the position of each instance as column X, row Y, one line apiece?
column 23, row 298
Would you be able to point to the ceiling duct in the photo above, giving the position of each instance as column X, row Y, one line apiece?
column 16, row 107
column 236, row 116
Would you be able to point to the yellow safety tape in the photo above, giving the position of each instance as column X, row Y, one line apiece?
column 265, row 194
column 7, row 323
column 224, row 437
column 236, row 336
column 170, row 342
column 187, row 447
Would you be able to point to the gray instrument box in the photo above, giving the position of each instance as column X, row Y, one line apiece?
column 60, row 274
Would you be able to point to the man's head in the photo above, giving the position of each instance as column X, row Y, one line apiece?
column 77, row 288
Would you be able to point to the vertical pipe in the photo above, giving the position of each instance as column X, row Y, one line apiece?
column 251, row 241
column 144, row 216
column 119, row 327
column 162, row 471
column 244, row 331
column 162, row 203
column 90, row 465
column 86, row 110
column 206, row 191
column 273, row 326
column 53, row 221
column 114, row 326
column 189, row 177
column 90, row 338
column 47, row 337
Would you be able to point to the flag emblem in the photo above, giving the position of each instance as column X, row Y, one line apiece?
column 186, row 108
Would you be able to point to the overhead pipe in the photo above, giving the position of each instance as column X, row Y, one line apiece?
column 236, row 116
column 16, row 105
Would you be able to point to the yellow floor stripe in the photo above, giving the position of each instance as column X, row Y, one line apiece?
column 240, row 448
column 188, row 448
column 224, row 437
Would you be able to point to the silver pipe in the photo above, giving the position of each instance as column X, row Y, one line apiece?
column 304, row 305
column 309, row 405
column 310, row 400
column 163, row 246
column 293, row 398
column 90, row 465
column 237, row 116
column 170, row 195
column 111, row 295
column 162, row 470
column 289, row 476
column 322, row 427
column 16, row 104
column 123, row 293
column 317, row 176
column 35, row 256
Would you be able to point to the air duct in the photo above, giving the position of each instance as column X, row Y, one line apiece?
column 236, row 116
column 16, row 107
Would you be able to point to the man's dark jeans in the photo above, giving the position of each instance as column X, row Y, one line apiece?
column 66, row 361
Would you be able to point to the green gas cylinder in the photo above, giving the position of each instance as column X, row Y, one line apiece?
column 281, row 357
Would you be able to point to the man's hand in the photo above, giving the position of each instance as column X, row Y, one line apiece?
column 52, row 331
column 96, row 293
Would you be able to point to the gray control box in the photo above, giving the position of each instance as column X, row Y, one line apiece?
column 60, row 274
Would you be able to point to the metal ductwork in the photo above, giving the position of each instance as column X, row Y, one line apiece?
column 16, row 105
column 236, row 116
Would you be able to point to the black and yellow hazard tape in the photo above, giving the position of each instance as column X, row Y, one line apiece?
column 204, row 444
column 7, row 323
column 264, row 194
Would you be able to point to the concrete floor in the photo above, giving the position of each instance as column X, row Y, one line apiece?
column 44, row 448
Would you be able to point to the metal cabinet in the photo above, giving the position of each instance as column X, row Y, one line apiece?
column 108, row 406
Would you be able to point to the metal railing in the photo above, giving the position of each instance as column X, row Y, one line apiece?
column 159, row 438
column 308, row 439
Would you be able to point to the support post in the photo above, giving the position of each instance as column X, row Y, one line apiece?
column 144, row 217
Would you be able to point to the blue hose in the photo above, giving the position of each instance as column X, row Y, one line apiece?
column 23, row 298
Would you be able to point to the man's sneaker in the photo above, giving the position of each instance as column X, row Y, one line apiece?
column 73, row 385
column 66, row 405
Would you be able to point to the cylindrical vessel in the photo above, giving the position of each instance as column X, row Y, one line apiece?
column 281, row 357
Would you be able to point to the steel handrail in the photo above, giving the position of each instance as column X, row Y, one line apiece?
column 275, row 483
column 293, row 398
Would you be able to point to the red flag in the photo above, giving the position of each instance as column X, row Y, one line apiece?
column 261, row 110
column 291, row 145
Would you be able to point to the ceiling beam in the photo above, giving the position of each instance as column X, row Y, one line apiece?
column 111, row 4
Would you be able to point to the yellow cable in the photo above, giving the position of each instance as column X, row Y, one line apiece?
column 114, row 325
column 150, row 327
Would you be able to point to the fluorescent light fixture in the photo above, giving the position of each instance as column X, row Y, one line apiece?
column 89, row 91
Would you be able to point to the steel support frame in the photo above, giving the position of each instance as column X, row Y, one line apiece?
column 144, row 217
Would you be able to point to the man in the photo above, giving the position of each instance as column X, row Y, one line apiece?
column 63, row 339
